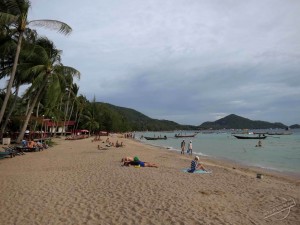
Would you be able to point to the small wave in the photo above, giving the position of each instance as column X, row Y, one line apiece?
column 201, row 154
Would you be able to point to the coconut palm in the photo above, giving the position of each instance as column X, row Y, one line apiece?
column 13, row 14
column 7, row 49
column 81, row 104
column 48, row 75
column 72, row 97
column 90, row 117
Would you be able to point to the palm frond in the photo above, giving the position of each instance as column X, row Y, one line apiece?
column 7, row 18
column 52, row 93
column 38, row 69
column 68, row 70
column 61, row 27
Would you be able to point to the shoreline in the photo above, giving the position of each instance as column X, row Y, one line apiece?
column 74, row 182
column 215, row 160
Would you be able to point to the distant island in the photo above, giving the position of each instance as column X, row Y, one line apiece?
column 233, row 121
column 295, row 126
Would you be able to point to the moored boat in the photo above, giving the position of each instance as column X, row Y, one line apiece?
column 185, row 135
column 156, row 138
column 249, row 137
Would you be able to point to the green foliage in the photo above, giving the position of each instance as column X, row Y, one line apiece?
column 121, row 119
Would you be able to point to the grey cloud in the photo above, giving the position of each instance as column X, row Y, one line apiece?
column 187, row 61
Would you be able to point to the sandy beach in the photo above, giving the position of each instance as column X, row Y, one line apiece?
column 75, row 183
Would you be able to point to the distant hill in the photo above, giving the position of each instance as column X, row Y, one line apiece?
column 140, row 122
column 233, row 121
column 295, row 126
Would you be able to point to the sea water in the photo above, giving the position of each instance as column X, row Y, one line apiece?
column 278, row 152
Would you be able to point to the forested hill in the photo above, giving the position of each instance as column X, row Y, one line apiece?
column 116, row 118
column 139, row 122
column 237, row 122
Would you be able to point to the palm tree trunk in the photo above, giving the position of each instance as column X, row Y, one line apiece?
column 36, row 116
column 12, row 77
column 71, row 110
column 10, row 110
column 21, row 135
column 66, row 113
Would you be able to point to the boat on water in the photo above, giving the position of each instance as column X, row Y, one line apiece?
column 156, row 138
column 185, row 135
column 250, row 137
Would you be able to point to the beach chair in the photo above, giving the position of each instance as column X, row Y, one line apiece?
column 6, row 154
column 2, row 156
column 27, row 149
column 14, row 150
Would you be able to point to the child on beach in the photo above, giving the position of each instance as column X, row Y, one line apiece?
column 196, row 165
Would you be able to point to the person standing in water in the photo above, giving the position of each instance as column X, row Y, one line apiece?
column 182, row 146
column 190, row 148
column 259, row 144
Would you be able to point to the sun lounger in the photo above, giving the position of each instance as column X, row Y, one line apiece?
column 27, row 149
column 13, row 150
column 5, row 154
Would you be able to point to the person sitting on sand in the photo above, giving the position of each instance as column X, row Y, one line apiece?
column 31, row 144
column 97, row 138
column 195, row 165
column 39, row 145
column 119, row 145
column 24, row 143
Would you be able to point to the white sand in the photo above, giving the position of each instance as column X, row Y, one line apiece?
column 75, row 183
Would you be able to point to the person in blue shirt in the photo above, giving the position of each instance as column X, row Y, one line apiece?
column 195, row 165
column 24, row 143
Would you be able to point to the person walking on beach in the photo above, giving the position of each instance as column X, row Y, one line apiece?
column 182, row 147
column 190, row 148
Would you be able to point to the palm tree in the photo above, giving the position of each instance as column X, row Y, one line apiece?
column 74, row 91
column 48, row 75
column 81, row 104
column 7, row 48
column 90, row 117
column 13, row 13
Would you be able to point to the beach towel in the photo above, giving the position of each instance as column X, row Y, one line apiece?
column 196, row 171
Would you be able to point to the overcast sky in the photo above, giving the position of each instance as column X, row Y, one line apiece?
column 188, row 61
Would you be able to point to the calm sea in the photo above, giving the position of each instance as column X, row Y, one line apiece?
column 278, row 152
